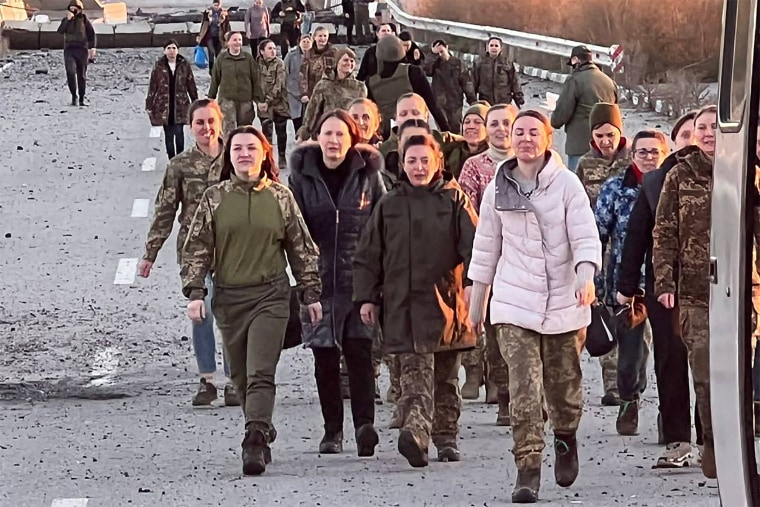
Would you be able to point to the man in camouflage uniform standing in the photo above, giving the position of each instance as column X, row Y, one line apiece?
column 496, row 79
column 608, row 156
column 451, row 80
column 187, row 176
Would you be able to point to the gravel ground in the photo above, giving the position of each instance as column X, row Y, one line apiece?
column 96, row 378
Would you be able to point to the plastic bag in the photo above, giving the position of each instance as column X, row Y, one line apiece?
column 200, row 59
column 600, row 334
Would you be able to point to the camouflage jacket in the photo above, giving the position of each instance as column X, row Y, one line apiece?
column 496, row 81
column 681, row 236
column 593, row 169
column 159, row 91
column 187, row 176
column 273, row 86
column 330, row 93
column 613, row 209
column 451, row 81
column 316, row 64
column 286, row 234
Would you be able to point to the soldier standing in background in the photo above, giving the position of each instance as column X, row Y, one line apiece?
column 363, row 29
column 78, row 48
column 187, row 177
column 496, row 79
column 452, row 80
column 586, row 86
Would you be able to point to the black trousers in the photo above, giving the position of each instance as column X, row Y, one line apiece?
column 671, row 368
column 361, row 378
column 280, row 124
column 214, row 46
column 297, row 123
column 290, row 36
column 75, row 62
column 255, row 45
column 174, row 137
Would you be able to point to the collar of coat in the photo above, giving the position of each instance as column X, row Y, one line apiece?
column 305, row 159
column 623, row 151
column 250, row 185
column 444, row 180
column 509, row 197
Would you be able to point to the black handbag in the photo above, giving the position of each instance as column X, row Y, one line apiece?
column 600, row 334
column 293, row 331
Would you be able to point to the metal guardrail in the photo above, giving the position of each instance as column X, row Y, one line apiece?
column 544, row 44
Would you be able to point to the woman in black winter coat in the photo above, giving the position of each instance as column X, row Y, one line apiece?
column 337, row 182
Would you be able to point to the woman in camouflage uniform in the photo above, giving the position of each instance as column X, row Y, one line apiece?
column 336, row 90
column 274, row 110
column 243, row 229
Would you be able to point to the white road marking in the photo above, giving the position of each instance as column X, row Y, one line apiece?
column 149, row 164
column 155, row 131
column 70, row 502
column 125, row 273
column 140, row 208
column 104, row 367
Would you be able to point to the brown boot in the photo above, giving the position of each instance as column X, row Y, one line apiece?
column 565, row 459
column 708, row 460
column 627, row 423
column 503, row 418
column 472, row 383
column 492, row 392
column 526, row 487
column 256, row 452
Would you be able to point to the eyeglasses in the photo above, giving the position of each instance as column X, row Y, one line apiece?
column 642, row 153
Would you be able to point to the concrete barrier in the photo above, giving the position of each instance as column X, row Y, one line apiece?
column 49, row 36
column 27, row 34
column 133, row 35
column 105, row 35
column 181, row 32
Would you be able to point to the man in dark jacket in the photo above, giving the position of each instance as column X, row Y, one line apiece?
column 289, row 14
column 495, row 77
column 586, row 86
column 670, row 356
column 395, row 79
column 78, row 49
column 368, row 67
column 452, row 81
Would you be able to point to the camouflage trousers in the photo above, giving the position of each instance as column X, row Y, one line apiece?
column 609, row 371
column 430, row 401
column 695, row 333
column 541, row 366
column 236, row 114
column 487, row 356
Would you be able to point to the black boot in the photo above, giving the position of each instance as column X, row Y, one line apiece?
column 332, row 443
column 74, row 100
column 83, row 102
column 412, row 450
column 565, row 459
column 366, row 440
column 526, row 487
column 256, row 452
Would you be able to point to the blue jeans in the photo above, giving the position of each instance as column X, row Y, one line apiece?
column 204, row 342
column 307, row 19
column 572, row 162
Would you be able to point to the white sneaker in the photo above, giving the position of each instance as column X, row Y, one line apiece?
column 677, row 455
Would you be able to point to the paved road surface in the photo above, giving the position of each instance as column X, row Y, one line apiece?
column 69, row 334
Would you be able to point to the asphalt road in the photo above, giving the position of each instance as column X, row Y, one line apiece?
column 96, row 377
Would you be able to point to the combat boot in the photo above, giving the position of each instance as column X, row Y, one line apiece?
column 503, row 418
column 412, row 450
column 332, row 443
column 472, row 383
column 448, row 451
column 231, row 398
column 627, row 423
column 366, row 440
column 565, row 459
column 526, row 487
column 256, row 452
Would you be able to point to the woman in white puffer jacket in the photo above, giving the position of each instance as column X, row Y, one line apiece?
column 538, row 246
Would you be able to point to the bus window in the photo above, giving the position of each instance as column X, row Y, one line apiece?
column 735, row 52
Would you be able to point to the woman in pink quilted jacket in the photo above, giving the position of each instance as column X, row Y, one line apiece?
column 538, row 247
